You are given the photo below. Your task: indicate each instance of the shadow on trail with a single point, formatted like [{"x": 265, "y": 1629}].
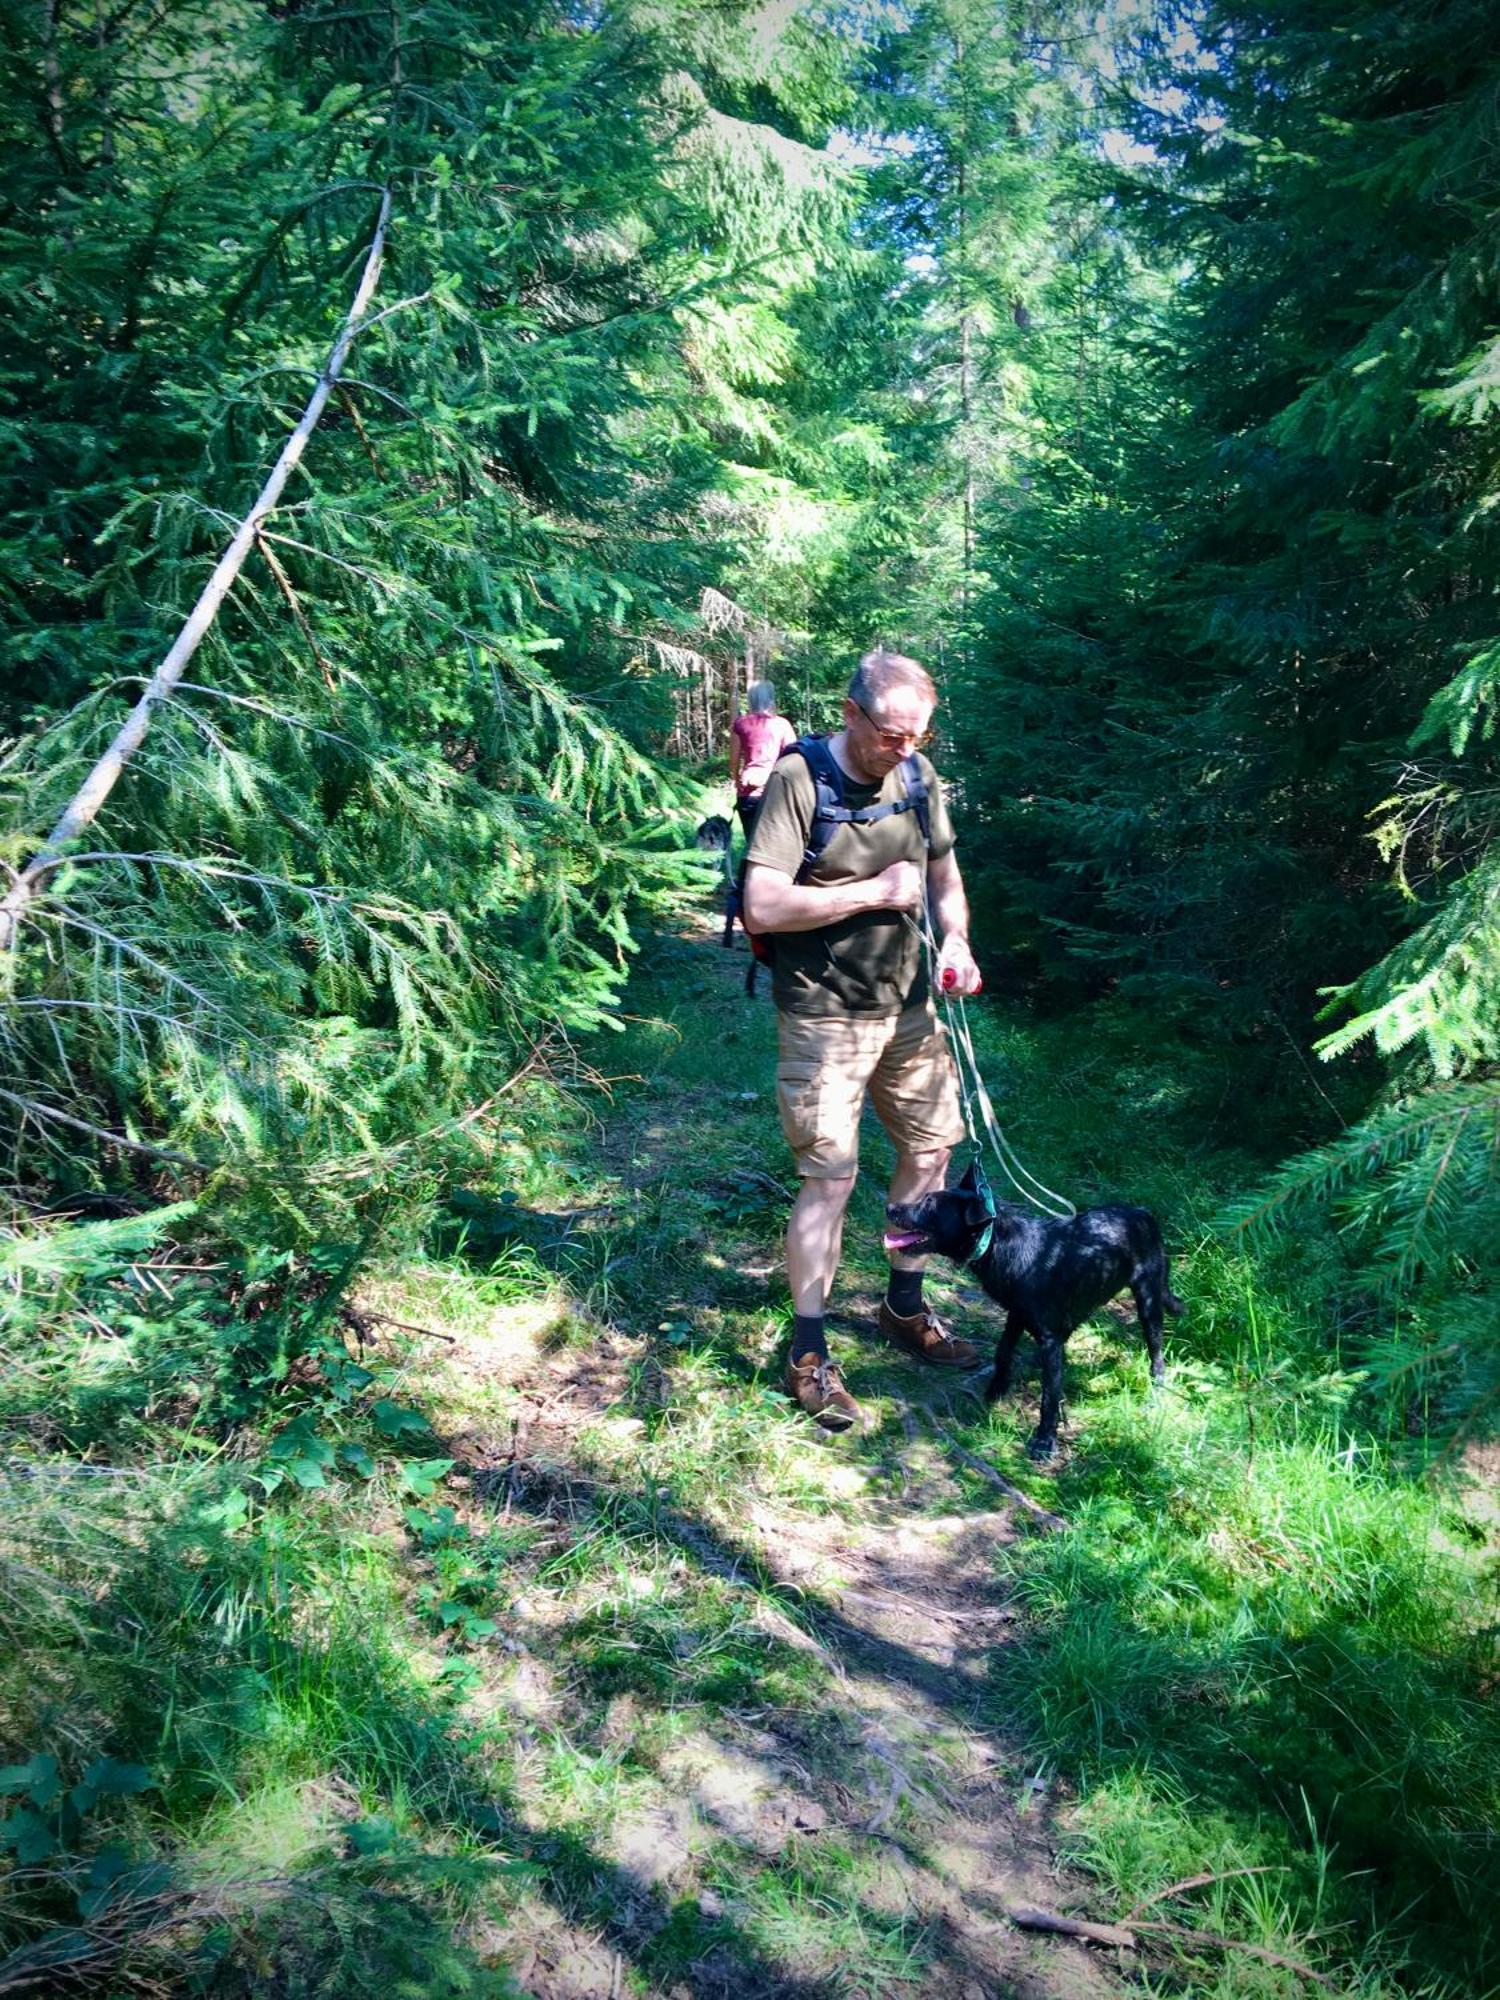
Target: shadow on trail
[
  {"x": 368, "y": 1906},
  {"x": 1358, "y": 1732},
  {"x": 823, "y": 1753},
  {"x": 1350, "y": 1730}
]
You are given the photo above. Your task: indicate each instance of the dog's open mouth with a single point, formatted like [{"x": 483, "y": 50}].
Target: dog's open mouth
[{"x": 905, "y": 1242}]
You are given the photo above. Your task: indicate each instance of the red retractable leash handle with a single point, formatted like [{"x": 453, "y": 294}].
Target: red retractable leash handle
[{"x": 948, "y": 980}]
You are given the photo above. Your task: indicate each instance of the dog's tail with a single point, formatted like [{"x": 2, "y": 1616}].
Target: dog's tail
[{"x": 1173, "y": 1304}]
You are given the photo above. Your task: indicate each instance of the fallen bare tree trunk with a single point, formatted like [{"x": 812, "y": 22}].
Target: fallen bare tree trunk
[{"x": 84, "y": 806}]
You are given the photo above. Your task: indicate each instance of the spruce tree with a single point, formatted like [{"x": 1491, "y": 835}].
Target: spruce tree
[{"x": 389, "y": 832}]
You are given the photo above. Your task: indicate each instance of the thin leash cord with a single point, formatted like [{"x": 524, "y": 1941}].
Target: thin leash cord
[
  {"x": 971, "y": 1089},
  {"x": 1020, "y": 1176}
]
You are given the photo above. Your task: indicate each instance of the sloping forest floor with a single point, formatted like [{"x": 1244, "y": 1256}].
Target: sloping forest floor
[
  {"x": 748, "y": 1661},
  {"x": 564, "y": 1659}
]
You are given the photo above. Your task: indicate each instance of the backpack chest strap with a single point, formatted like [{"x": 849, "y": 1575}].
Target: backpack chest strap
[
  {"x": 830, "y": 812},
  {"x": 863, "y": 815}
]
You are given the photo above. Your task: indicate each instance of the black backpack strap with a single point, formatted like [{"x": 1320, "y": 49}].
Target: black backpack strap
[
  {"x": 829, "y": 810},
  {"x": 917, "y": 795}
]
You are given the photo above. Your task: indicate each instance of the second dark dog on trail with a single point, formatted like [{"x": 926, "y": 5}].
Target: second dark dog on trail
[{"x": 1048, "y": 1274}]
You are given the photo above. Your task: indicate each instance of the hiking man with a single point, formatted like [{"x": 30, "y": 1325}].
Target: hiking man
[{"x": 853, "y": 1009}]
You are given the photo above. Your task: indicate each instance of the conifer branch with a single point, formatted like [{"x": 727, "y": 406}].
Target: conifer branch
[
  {"x": 278, "y": 570},
  {"x": 31, "y": 1108},
  {"x": 86, "y": 803}
]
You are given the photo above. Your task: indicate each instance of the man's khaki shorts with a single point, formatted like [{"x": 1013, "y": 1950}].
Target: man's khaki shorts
[{"x": 827, "y": 1065}]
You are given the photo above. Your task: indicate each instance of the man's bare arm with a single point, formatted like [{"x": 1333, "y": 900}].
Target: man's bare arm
[
  {"x": 946, "y": 896},
  {"x": 774, "y": 902},
  {"x": 950, "y": 913}
]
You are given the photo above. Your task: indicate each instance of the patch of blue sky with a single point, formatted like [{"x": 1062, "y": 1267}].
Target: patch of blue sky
[{"x": 1088, "y": 51}]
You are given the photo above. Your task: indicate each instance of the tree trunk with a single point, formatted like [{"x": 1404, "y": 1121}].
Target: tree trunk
[{"x": 52, "y": 91}]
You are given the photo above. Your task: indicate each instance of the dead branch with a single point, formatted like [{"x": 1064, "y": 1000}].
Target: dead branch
[
  {"x": 355, "y": 1313},
  {"x": 1259, "y": 1951},
  {"x": 1194, "y": 1882},
  {"x": 919, "y": 1608},
  {"x": 720, "y": 613},
  {"x": 1124, "y": 1935},
  {"x": 30, "y": 1108},
  {"x": 899, "y": 1789},
  {"x": 347, "y": 403},
  {"x": 294, "y": 605},
  {"x": 1046, "y": 1920},
  {"x": 86, "y": 803},
  {"x": 1033, "y": 1509}
]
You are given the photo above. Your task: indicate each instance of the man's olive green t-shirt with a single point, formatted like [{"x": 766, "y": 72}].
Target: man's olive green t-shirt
[{"x": 867, "y": 964}]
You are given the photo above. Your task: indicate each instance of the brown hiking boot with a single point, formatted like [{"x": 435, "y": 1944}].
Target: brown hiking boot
[
  {"x": 924, "y": 1335},
  {"x": 816, "y": 1386}
]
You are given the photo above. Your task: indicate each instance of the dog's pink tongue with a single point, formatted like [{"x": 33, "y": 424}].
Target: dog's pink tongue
[{"x": 902, "y": 1239}]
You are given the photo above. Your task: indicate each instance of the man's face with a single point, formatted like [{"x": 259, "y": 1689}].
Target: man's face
[{"x": 885, "y": 731}]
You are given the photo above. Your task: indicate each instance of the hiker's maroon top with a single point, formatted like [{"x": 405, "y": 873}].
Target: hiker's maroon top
[{"x": 762, "y": 739}]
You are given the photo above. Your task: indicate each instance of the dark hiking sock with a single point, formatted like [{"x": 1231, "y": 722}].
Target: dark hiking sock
[
  {"x": 904, "y": 1293},
  {"x": 808, "y": 1336}
]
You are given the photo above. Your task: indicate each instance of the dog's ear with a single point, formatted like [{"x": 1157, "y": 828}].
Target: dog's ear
[{"x": 977, "y": 1211}]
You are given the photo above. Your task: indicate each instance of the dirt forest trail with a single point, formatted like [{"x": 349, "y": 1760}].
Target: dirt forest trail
[{"x": 749, "y": 1659}]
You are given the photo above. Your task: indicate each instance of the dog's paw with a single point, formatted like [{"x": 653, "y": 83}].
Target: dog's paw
[{"x": 1041, "y": 1449}]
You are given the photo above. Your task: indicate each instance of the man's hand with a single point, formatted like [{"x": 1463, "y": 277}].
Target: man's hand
[
  {"x": 956, "y": 970},
  {"x": 898, "y": 887}
]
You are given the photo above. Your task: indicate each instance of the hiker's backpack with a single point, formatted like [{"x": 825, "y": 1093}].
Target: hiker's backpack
[{"x": 829, "y": 814}]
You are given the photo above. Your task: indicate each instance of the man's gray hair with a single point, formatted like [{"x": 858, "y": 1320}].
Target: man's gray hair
[
  {"x": 880, "y": 673},
  {"x": 761, "y": 700}
]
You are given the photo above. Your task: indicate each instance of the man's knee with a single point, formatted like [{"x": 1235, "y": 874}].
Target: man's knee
[
  {"x": 826, "y": 1191},
  {"x": 926, "y": 1167}
]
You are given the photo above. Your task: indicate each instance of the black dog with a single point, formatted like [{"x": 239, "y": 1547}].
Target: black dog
[
  {"x": 716, "y": 836},
  {"x": 1049, "y": 1276}
]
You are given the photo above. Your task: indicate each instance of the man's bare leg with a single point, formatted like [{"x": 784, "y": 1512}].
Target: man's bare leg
[
  {"x": 814, "y": 1240},
  {"x": 904, "y": 1318},
  {"x": 916, "y": 1174}
]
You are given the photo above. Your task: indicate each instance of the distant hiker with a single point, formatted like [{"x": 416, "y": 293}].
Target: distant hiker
[
  {"x": 756, "y": 740},
  {"x": 853, "y": 1009}
]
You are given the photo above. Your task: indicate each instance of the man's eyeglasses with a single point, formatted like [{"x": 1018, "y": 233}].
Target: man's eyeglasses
[{"x": 896, "y": 739}]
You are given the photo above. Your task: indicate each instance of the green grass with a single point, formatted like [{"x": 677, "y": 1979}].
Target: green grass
[
  {"x": 257, "y": 1674},
  {"x": 1252, "y": 1616},
  {"x": 1259, "y": 1643},
  {"x": 394, "y": 1723},
  {"x": 819, "y": 1917},
  {"x": 1261, "y": 1635}
]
